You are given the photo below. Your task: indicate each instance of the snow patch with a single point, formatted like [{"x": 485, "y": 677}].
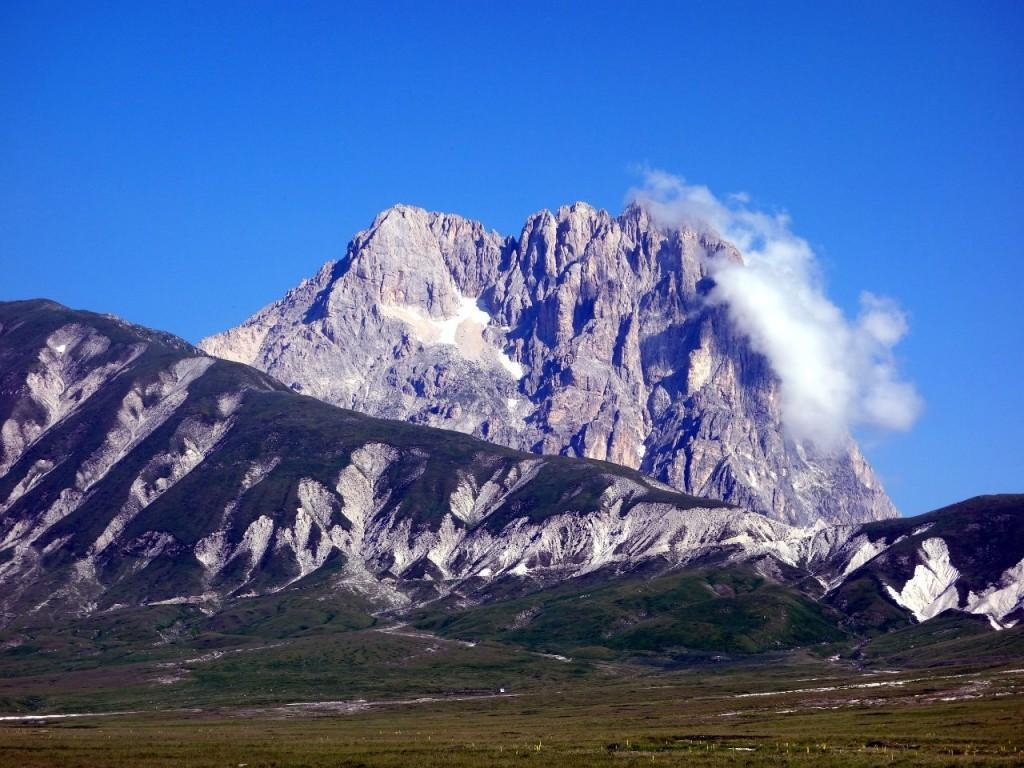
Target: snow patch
[
  {"x": 998, "y": 601},
  {"x": 465, "y": 331},
  {"x": 516, "y": 370},
  {"x": 932, "y": 588}
]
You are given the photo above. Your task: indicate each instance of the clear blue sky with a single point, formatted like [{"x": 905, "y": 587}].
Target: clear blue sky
[{"x": 182, "y": 164}]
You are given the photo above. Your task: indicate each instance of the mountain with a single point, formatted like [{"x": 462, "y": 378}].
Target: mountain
[
  {"x": 586, "y": 336},
  {"x": 967, "y": 556},
  {"x": 138, "y": 472}
]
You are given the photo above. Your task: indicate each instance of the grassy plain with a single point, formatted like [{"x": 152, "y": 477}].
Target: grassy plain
[
  {"x": 409, "y": 698},
  {"x": 297, "y": 680},
  {"x": 684, "y": 718}
]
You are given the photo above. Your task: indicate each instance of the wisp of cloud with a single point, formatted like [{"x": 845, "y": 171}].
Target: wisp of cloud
[{"x": 835, "y": 373}]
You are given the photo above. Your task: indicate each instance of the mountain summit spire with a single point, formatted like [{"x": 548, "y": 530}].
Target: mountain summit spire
[{"x": 589, "y": 335}]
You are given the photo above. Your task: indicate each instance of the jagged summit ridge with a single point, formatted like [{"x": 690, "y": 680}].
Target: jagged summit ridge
[{"x": 586, "y": 335}]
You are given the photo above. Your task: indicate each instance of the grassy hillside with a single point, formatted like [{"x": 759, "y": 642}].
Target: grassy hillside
[{"x": 703, "y": 611}]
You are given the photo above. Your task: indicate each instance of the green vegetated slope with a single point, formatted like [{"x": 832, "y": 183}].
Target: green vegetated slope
[
  {"x": 703, "y": 611},
  {"x": 950, "y": 639},
  {"x": 274, "y": 650}
]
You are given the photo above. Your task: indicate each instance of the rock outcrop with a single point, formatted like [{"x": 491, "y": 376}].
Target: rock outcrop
[{"x": 587, "y": 336}]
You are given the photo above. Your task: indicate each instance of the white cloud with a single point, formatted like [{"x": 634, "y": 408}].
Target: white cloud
[{"x": 835, "y": 373}]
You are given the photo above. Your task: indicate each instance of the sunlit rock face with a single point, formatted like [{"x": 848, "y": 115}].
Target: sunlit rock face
[{"x": 588, "y": 335}]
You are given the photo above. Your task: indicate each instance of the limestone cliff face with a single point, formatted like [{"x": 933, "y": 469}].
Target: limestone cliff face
[{"x": 589, "y": 335}]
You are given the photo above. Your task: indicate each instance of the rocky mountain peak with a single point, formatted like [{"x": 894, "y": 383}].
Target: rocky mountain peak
[
  {"x": 589, "y": 335},
  {"x": 411, "y": 257}
]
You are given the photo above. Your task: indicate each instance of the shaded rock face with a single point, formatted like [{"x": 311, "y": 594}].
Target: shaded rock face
[{"x": 587, "y": 336}]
